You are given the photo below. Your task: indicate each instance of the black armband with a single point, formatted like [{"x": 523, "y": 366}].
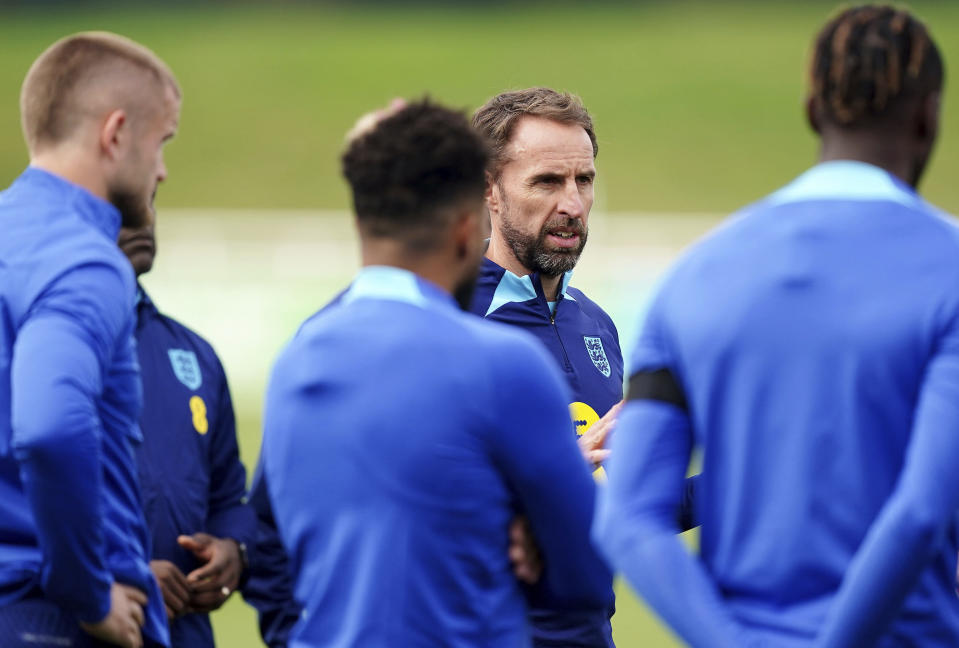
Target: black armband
[{"x": 658, "y": 385}]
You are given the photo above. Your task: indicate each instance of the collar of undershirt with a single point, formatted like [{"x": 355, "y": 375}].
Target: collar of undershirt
[
  {"x": 846, "y": 180},
  {"x": 515, "y": 288},
  {"x": 395, "y": 284}
]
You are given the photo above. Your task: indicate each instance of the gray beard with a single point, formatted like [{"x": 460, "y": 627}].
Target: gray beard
[{"x": 532, "y": 253}]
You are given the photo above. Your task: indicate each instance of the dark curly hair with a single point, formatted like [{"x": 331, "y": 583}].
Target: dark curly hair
[
  {"x": 868, "y": 61},
  {"x": 411, "y": 168}
]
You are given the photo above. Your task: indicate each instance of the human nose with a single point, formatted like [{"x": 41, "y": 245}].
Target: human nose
[
  {"x": 571, "y": 203},
  {"x": 161, "y": 170}
]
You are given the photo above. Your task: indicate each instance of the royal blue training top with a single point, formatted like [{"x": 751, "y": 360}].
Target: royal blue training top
[
  {"x": 189, "y": 462},
  {"x": 810, "y": 347},
  {"x": 401, "y": 436},
  {"x": 71, "y": 521}
]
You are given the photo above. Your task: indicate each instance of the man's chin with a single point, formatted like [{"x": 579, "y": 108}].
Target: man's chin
[
  {"x": 142, "y": 263},
  {"x": 558, "y": 263}
]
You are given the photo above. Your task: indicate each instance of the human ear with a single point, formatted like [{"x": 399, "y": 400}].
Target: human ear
[
  {"x": 927, "y": 119},
  {"x": 812, "y": 115},
  {"x": 113, "y": 133},
  {"x": 492, "y": 195}
]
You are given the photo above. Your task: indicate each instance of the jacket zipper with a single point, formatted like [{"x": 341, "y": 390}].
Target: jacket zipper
[{"x": 552, "y": 320}]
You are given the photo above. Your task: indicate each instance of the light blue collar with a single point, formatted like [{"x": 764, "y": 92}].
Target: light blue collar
[
  {"x": 845, "y": 180},
  {"x": 513, "y": 288},
  {"x": 564, "y": 283},
  {"x": 386, "y": 282}
]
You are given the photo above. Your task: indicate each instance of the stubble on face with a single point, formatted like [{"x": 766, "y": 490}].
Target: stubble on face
[
  {"x": 136, "y": 210},
  {"x": 543, "y": 193},
  {"x": 532, "y": 249},
  {"x": 133, "y": 192}
]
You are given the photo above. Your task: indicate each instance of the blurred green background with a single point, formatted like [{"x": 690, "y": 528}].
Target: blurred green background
[{"x": 698, "y": 109}]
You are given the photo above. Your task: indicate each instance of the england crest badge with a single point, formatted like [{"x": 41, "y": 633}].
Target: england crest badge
[
  {"x": 186, "y": 368},
  {"x": 594, "y": 346}
]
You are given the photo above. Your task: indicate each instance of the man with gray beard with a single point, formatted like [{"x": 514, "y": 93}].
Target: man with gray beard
[{"x": 539, "y": 193}]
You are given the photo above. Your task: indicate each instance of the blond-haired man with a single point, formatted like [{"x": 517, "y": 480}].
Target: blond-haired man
[{"x": 96, "y": 111}]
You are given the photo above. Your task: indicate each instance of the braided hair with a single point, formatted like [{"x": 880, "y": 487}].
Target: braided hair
[{"x": 869, "y": 62}]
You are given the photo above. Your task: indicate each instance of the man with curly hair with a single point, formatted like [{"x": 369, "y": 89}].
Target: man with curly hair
[{"x": 403, "y": 435}]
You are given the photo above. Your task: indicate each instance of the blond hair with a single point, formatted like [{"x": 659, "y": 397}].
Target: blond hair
[{"x": 77, "y": 74}]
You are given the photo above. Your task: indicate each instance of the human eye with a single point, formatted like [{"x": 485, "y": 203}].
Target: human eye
[{"x": 547, "y": 180}]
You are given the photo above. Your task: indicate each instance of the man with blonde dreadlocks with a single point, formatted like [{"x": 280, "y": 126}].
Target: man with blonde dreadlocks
[{"x": 810, "y": 347}]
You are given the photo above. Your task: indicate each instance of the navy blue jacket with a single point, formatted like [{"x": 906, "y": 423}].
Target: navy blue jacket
[
  {"x": 71, "y": 521},
  {"x": 269, "y": 584},
  {"x": 189, "y": 461},
  {"x": 583, "y": 341},
  {"x": 579, "y": 335}
]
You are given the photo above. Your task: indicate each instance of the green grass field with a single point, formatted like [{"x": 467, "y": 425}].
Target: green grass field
[{"x": 697, "y": 106}]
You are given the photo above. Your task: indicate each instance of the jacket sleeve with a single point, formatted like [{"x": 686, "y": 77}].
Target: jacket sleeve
[
  {"x": 269, "y": 585},
  {"x": 915, "y": 517},
  {"x": 636, "y": 519},
  {"x": 229, "y": 514},
  {"x": 534, "y": 445},
  {"x": 59, "y": 360}
]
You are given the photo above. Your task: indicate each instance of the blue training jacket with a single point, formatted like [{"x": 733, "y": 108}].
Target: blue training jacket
[
  {"x": 810, "y": 346},
  {"x": 584, "y": 343},
  {"x": 401, "y": 436},
  {"x": 189, "y": 461},
  {"x": 71, "y": 522}
]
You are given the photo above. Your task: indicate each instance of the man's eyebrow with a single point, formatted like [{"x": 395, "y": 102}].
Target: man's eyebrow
[{"x": 546, "y": 176}]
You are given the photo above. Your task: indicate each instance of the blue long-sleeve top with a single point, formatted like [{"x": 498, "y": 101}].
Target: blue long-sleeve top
[
  {"x": 70, "y": 517},
  {"x": 584, "y": 344},
  {"x": 810, "y": 346},
  {"x": 268, "y": 587},
  {"x": 401, "y": 436},
  {"x": 189, "y": 463}
]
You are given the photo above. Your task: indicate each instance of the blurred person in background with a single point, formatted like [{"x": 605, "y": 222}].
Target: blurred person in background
[
  {"x": 96, "y": 111},
  {"x": 193, "y": 483},
  {"x": 539, "y": 193},
  {"x": 810, "y": 347},
  {"x": 268, "y": 586},
  {"x": 401, "y": 435}
]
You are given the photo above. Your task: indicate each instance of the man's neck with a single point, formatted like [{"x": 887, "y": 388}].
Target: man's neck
[
  {"x": 384, "y": 252},
  {"x": 70, "y": 164},
  {"x": 502, "y": 255},
  {"x": 884, "y": 153}
]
